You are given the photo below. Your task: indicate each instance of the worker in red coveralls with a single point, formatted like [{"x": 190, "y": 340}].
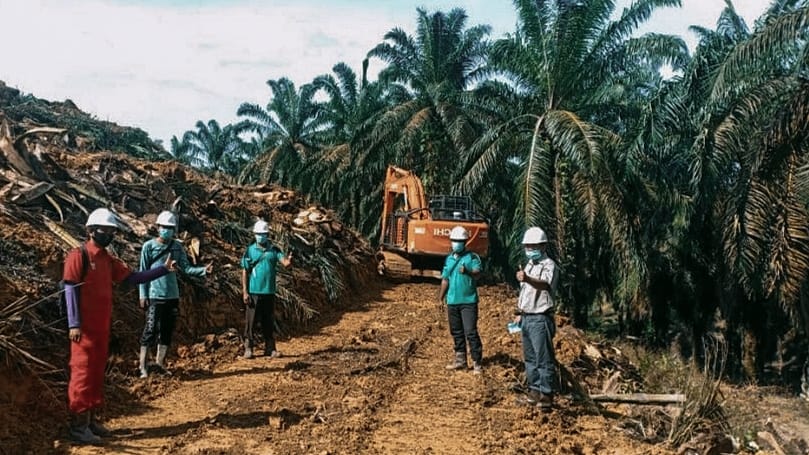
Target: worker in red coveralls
[{"x": 88, "y": 295}]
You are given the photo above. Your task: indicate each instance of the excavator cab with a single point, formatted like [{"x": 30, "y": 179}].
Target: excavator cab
[
  {"x": 455, "y": 208},
  {"x": 415, "y": 230}
]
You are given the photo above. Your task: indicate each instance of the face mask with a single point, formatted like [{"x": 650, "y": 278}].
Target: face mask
[
  {"x": 165, "y": 233},
  {"x": 261, "y": 239},
  {"x": 533, "y": 255},
  {"x": 102, "y": 239},
  {"x": 457, "y": 247}
]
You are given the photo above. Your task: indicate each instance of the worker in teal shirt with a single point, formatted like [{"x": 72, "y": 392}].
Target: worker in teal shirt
[
  {"x": 458, "y": 287},
  {"x": 259, "y": 276},
  {"x": 161, "y": 297}
]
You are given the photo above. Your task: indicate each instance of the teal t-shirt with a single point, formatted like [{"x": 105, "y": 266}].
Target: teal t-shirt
[
  {"x": 153, "y": 254},
  {"x": 265, "y": 268},
  {"x": 462, "y": 288}
]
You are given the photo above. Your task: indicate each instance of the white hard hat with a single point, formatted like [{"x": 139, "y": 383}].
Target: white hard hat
[
  {"x": 459, "y": 233},
  {"x": 261, "y": 227},
  {"x": 167, "y": 218},
  {"x": 102, "y": 217},
  {"x": 534, "y": 236}
]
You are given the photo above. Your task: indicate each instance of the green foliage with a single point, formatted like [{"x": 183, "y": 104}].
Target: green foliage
[
  {"x": 680, "y": 203},
  {"x": 213, "y": 148}
]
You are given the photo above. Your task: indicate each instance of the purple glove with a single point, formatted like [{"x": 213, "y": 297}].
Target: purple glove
[
  {"x": 72, "y": 301},
  {"x": 146, "y": 276}
]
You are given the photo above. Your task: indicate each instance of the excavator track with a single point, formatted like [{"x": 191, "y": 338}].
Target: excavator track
[{"x": 393, "y": 266}]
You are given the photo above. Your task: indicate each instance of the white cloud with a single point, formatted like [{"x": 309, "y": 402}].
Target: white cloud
[
  {"x": 162, "y": 68},
  {"x": 698, "y": 12}
]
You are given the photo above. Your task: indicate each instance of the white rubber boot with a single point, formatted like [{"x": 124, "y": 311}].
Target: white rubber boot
[
  {"x": 162, "y": 350},
  {"x": 144, "y": 352}
]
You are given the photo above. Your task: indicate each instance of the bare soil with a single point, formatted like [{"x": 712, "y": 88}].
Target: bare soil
[{"x": 372, "y": 380}]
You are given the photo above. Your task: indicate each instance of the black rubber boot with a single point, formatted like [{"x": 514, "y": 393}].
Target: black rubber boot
[
  {"x": 96, "y": 427},
  {"x": 80, "y": 432}
]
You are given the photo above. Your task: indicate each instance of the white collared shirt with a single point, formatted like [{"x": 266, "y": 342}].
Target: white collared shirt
[{"x": 531, "y": 299}]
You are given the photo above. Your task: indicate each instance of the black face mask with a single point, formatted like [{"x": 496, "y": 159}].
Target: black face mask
[{"x": 102, "y": 239}]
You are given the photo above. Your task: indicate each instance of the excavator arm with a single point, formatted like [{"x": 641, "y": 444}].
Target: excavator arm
[{"x": 400, "y": 182}]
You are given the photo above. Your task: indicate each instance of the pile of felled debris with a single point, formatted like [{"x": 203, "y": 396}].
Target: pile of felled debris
[{"x": 49, "y": 182}]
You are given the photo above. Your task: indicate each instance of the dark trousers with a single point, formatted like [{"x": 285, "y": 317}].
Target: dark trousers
[
  {"x": 537, "y": 345},
  {"x": 261, "y": 306},
  {"x": 161, "y": 318},
  {"x": 463, "y": 325}
]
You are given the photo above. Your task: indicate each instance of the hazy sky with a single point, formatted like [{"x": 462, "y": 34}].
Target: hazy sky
[{"x": 161, "y": 65}]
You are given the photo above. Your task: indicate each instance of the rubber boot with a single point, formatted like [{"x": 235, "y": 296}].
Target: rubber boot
[
  {"x": 459, "y": 362},
  {"x": 80, "y": 432},
  {"x": 96, "y": 427},
  {"x": 162, "y": 349},
  {"x": 248, "y": 349},
  {"x": 477, "y": 368},
  {"x": 144, "y": 352},
  {"x": 270, "y": 350}
]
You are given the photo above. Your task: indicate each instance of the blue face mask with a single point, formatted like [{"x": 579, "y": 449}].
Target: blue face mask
[
  {"x": 533, "y": 255},
  {"x": 165, "y": 233},
  {"x": 261, "y": 239},
  {"x": 457, "y": 247}
]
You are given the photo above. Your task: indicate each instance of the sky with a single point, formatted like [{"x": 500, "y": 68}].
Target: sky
[{"x": 161, "y": 65}]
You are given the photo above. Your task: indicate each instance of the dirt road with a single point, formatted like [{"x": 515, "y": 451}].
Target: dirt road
[{"x": 371, "y": 381}]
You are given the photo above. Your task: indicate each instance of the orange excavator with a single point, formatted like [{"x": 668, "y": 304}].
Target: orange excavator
[{"x": 415, "y": 230}]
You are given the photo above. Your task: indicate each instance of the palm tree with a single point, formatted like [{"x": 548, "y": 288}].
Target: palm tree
[
  {"x": 747, "y": 133},
  {"x": 575, "y": 84},
  {"x": 288, "y": 129},
  {"x": 181, "y": 152},
  {"x": 428, "y": 126},
  {"x": 351, "y": 104},
  {"x": 217, "y": 149},
  {"x": 352, "y": 108}
]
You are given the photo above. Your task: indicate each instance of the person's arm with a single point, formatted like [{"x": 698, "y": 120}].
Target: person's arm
[
  {"x": 146, "y": 276},
  {"x": 72, "y": 301},
  {"x": 537, "y": 283},
  {"x": 286, "y": 261},
  {"x": 542, "y": 282},
  {"x": 143, "y": 288},
  {"x": 72, "y": 277},
  {"x": 475, "y": 267},
  {"x": 184, "y": 264},
  {"x": 245, "y": 263},
  {"x": 245, "y": 293},
  {"x": 443, "y": 292}
]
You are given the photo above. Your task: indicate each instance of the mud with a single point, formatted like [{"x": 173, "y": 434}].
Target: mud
[{"x": 346, "y": 388}]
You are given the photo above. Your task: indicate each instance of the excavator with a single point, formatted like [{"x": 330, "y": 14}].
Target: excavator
[{"x": 415, "y": 230}]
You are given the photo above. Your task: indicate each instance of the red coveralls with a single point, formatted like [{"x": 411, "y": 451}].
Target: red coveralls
[{"x": 88, "y": 357}]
